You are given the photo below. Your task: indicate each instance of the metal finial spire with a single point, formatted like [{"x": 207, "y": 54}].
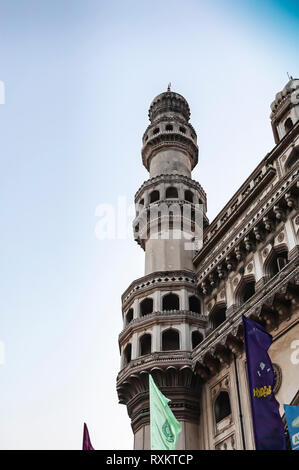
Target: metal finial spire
[{"x": 168, "y": 88}]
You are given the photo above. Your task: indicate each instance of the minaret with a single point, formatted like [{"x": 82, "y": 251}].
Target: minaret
[{"x": 161, "y": 311}]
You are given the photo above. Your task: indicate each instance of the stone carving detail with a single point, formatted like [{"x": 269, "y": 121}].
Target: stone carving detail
[{"x": 226, "y": 444}]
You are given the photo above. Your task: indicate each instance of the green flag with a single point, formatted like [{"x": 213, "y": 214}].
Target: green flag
[{"x": 164, "y": 425}]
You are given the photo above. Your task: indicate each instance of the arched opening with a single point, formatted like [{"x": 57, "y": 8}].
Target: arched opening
[
  {"x": 154, "y": 196},
  {"x": 146, "y": 306},
  {"x": 217, "y": 316},
  {"x": 171, "y": 302},
  {"x": 246, "y": 290},
  {"x": 129, "y": 316},
  {"x": 127, "y": 354},
  {"x": 170, "y": 340},
  {"x": 145, "y": 344},
  {"x": 188, "y": 195},
  {"x": 171, "y": 193},
  {"x": 194, "y": 304},
  {"x": 169, "y": 127},
  {"x": 288, "y": 125},
  {"x": 222, "y": 407},
  {"x": 196, "y": 338},
  {"x": 276, "y": 263},
  {"x": 293, "y": 158},
  {"x": 141, "y": 202}
]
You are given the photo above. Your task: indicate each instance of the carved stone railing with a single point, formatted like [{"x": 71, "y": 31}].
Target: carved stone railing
[
  {"x": 159, "y": 359},
  {"x": 163, "y": 315}
]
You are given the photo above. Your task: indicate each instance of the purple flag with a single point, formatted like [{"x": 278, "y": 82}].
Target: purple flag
[
  {"x": 86, "y": 439},
  {"x": 267, "y": 424}
]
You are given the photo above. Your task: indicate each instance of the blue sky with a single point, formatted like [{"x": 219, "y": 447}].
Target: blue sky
[{"x": 79, "y": 78}]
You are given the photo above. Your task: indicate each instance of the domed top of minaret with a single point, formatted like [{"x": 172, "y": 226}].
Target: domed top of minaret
[
  {"x": 285, "y": 110},
  {"x": 169, "y": 102},
  {"x": 281, "y": 97}
]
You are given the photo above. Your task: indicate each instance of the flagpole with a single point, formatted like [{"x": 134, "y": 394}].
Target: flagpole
[{"x": 239, "y": 403}]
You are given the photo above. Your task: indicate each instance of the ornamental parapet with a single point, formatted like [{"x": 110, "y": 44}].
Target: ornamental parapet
[
  {"x": 171, "y": 178},
  {"x": 154, "y": 318},
  {"x": 161, "y": 359},
  {"x": 158, "y": 279}
]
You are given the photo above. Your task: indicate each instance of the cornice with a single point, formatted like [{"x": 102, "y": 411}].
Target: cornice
[
  {"x": 169, "y": 178},
  {"x": 158, "y": 279},
  {"x": 234, "y": 203}
]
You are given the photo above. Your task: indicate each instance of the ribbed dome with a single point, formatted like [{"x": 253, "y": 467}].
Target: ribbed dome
[{"x": 169, "y": 102}]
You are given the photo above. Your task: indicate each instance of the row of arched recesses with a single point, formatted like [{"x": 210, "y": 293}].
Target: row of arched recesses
[
  {"x": 169, "y": 127},
  {"x": 246, "y": 289},
  {"x": 171, "y": 193},
  {"x": 170, "y": 301},
  {"x": 170, "y": 342}
]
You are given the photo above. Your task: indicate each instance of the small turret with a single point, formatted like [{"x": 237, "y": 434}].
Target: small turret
[{"x": 285, "y": 110}]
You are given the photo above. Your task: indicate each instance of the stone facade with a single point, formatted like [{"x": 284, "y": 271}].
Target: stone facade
[{"x": 182, "y": 319}]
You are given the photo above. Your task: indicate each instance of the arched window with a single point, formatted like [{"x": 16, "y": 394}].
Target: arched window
[
  {"x": 129, "y": 316},
  {"x": 194, "y": 304},
  {"x": 288, "y": 125},
  {"x": 154, "y": 196},
  {"x": 217, "y": 316},
  {"x": 188, "y": 195},
  {"x": 146, "y": 306},
  {"x": 171, "y": 302},
  {"x": 293, "y": 158},
  {"x": 196, "y": 338},
  {"x": 170, "y": 340},
  {"x": 276, "y": 263},
  {"x": 145, "y": 344},
  {"x": 141, "y": 202},
  {"x": 222, "y": 407},
  {"x": 247, "y": 290},
  {"x": 171, "y": 193},
  {"x": 127, "y": 354}
]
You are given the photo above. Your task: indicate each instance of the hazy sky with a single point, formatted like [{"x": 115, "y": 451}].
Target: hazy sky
[{"x": 79, "y": 77}]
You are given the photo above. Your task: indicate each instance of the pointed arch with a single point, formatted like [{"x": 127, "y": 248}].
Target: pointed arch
[
  {"x": 146, "y": 306},
  {"x": 217, "y": 315},
  {"x": 222, "y": 408},
  {"x": 171, "y": 301},
  {"x": 127, "y": 354},
  {"x": 196, "y": 338},
  {"x": 145, "y": 344},
  {"x": 170, "y": 340}
]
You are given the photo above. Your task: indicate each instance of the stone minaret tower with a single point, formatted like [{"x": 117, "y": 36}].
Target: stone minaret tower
[{"x": 161, "y": 311}]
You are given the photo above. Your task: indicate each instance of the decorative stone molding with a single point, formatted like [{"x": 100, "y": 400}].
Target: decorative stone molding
[{"x": 158, "y": 280}]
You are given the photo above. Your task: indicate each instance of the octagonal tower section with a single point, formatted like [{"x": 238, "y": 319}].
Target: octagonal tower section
[{"x": 162, "y": 320}]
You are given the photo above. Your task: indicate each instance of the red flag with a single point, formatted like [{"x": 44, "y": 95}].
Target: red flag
[{"x": 86, "y": 439}]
